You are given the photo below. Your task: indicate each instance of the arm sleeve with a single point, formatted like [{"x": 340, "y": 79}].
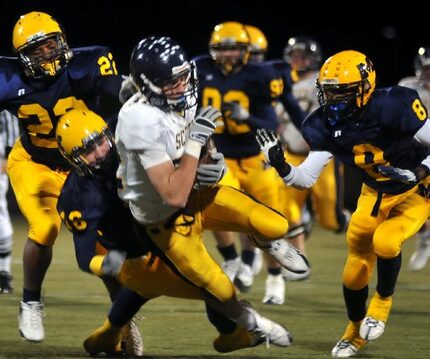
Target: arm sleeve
[
  {"x": 307, "y": 173},
  {"x": 85, "y": 249},
  {"x": 139, "y": 130},
  {"x": 423, "y": 134}
]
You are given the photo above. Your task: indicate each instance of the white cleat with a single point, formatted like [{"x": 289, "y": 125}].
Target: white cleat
[
  {"x": 30, "y": 319},
  {"x": 343, "y": 349},
  {"x": 421, "y": 255},
  {"x": 268, "y": 330},
  {"x": 287, "y": 255},
  {"x": 131, "y": 340},
  {"x": 244, "y": 278},
  {"x": 295, "y": 277},
  {"x": 257, "y": 264},
  {"x": 231, "y": 267},
  {"x": 371, "y": 328},
  {"x": 275, "y": 290}
]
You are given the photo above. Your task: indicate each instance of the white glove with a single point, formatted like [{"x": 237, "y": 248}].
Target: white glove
[
  {"x": 204, "y": 124},
  {"x": 128, "y": 89},
  {"x": 272, "y": 150},
  {"x": 113, "y": 261},
  {"x": 210, "y": 174}
]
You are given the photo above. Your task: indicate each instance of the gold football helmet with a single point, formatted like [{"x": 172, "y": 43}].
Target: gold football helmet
[
  {"x": 259, "y": 44},
  {"x": 346, "y": 82},
  {"x": 229, "y": 46},
  {"x": 78, "y": 131},
  {"x": 40, "y": 44}
]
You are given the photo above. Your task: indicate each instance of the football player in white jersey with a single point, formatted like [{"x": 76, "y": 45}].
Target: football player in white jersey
[
  {"x": 160, "y": 140},
  {"x": 8, "y": 134},
  {"x": 304, "y": 56},
  {"x": 421, "y": 83}
]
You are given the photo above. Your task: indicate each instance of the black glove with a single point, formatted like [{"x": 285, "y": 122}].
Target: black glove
[
  {"x": 272, "y": 150},
  {"x": 234, "y": 111},
  {"x": 402, "y": 175}
]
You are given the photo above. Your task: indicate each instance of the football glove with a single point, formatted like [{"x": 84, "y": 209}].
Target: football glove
[
  {"x": 402, "y": 175},
  {"x": 210, "y": 174},
  {"x": 204, "y": 124},
  {"x": 234, "y": 111},
  {"x": 272, "y": 150},
  {"x": 128, "y": 89},
  {"x": 113, "y": 261}
]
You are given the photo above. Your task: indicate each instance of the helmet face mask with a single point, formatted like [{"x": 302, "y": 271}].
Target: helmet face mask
[
  {"x": 160, "y": 68},
  {"x": 422, "y": 65},
  {"x": 345, "y": 84},
  {"x": 258, "y": 44},
  {"x": 229, "y": 46},
  {"x": 87, "y": 143},
  {"x": 303, "y": 54},
  {"x": 41, "y": 46}
]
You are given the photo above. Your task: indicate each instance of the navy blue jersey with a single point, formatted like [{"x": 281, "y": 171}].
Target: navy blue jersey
[
  {"x": 90, "y": 81},
  {"x": 92, "y": 211},
  {"x": 253, "y": 87},
  {"x": 381, "y": 134},
  {"x": 287, "y": 98}
]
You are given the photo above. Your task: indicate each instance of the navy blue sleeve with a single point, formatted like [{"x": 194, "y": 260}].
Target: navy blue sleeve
[
  {"x": 264, "y": 117},
  {"x": 403, "y": 110}
]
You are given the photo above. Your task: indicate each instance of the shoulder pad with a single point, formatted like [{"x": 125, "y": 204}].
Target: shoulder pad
[
  {"x": 11, "y": 80},
  {"x": 85, "y": 61}
]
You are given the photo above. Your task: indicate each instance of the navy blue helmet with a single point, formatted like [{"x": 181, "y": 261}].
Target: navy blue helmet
[{"x": 160, "y": 68}]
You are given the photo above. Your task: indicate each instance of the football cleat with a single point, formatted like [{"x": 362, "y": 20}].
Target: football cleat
[
  {"x": 350, "y": 342},
  {"x": 30, "y": 319},
  {"x": 343, "y": 349},
  {"x": 267, "y": 330},
  {"x": 106, "y": 339},
  {"x": 421, "y": 255},
  {"x": 371, "y": 328},
  {"x": 275, "y": 290},
  {"x": 287, "y": 255},
  {"x": 244, "y": 278},
  {"x": 295, "y": 277},
  {"x": 231, "y": 267},
  {"x": 131, "y": 340},
  {"x": 257, "y": 264},
  {"x": 239, "y": 339},
  {"x": 5, "y": 283}
]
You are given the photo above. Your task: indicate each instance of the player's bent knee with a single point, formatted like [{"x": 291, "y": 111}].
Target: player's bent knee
[
  {"x": 267, "y": 223},
  {"x": 386, "y": 249},
  {"x": 356, "y": 273},
  {"x": 44, "y": 234}
]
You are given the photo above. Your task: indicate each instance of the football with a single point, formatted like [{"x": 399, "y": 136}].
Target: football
[{"x": 207, "y": 151}]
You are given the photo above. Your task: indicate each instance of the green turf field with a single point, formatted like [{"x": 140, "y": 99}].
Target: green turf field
[{"x": 76, "y": 303}]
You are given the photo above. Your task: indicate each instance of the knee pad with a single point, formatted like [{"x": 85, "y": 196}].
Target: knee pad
[
  {"x": 267, "y": 223},
  {"x": 357, "y": 271},
  {"x": 44, "y": 233}
]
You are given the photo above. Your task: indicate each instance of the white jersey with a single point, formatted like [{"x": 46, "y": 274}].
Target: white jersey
[
  {"x": 417, "y": 84},
  {"x": 306, "y": 94},
  {"x": 8, "y": 134},
  {"x": 146, "y": 136}
]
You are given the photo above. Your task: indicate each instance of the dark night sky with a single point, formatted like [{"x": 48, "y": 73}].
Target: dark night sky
[{"x": 121, "y": 24}]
